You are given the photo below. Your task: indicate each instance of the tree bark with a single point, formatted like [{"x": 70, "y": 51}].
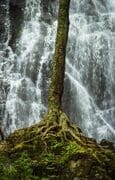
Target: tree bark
[{"x": 58, "y": 66}]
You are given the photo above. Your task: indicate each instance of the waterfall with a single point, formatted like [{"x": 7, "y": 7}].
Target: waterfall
[
  {"x": 27, "y": 75},
  {"x": 26, "y": 57},
  {"x": 90, "y": 67}
]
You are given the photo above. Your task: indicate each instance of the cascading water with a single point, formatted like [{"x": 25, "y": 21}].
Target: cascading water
[
  {"x": 4, "y": 61},
  {"x": 89, "y": 95},
  {"x": 90, "y": 67},
  {"x": 25, "y": 103}
]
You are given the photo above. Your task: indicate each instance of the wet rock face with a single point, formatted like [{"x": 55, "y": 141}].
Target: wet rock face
[
  {"x": 49, "y": 10},
  {"x": 107, "y": 144},
  {"x": 3, "y": 10},
  {"x": 16, "y": 8},
  {"x": 4, "y": 88},
  {"x": 4, "y": 85},
  {"x": 18, "y": 3}
]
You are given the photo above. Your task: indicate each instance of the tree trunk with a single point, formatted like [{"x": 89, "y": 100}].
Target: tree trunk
[{"x": 57, "y": 78}]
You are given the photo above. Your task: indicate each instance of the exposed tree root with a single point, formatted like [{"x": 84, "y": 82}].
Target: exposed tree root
[
  {"x": 61, "y": 128},
  {"x": 59, "y": 143},
  {"x": 55, "y": 125},
  {"x": 50, "y": 129}
]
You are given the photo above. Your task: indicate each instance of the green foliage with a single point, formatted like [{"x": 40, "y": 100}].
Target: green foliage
[
  {"x": 57, "y": 147},
  {"x": 48, "y": 158},
  {"x": 19, "y": 169},
  {"x": 70, "y": 150},
  {"x": 72, "y": 147},
  {"x": 2, "y": 168},
  {"x": 23, "y": 167},
  {"x": 10, "y": 173}
]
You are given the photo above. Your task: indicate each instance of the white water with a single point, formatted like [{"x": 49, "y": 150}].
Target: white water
[
  {"x": 24, "y": 104},
  {"x": 90, "y": 67},
  {"x": 89, "y": 96}
]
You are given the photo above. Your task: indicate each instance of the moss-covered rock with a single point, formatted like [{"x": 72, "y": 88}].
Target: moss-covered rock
[{"x": 52, "y": 153}]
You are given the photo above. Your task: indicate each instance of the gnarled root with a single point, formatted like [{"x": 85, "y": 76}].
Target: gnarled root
[
  {"x": 58, "y": 125},
  {"x": 61, "y": 128}
]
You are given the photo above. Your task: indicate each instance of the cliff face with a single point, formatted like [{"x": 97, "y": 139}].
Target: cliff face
[
  {"x": 16, "y": 13},
  {"x": 12, "y": 9},
  {"x": 19, "y": 4},
  {"x": 2, "y": 20}
]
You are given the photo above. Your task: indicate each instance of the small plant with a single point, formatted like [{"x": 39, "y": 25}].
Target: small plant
[
  {"x": 23, "y": 167},
  {"x": 49, "y": 157},
  {"x": 10, "y": 173},
  {"x": 2, "y": 166},
  {"x": 19, "y": 169}
]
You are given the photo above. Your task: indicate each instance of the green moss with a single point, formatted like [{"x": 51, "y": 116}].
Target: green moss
[
  {"x": 54, "y": 158},
  {"x": 70, "y": 150},
  {"x": 20, "y": 168}
]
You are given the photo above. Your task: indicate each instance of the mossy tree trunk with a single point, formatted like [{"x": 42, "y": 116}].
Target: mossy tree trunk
[
  {"x": 57, "y": 78},
  {"x": 56, "y": 119}
]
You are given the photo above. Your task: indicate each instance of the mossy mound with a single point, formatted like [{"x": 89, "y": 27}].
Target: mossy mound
[{"x": 56, "y": 151}]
